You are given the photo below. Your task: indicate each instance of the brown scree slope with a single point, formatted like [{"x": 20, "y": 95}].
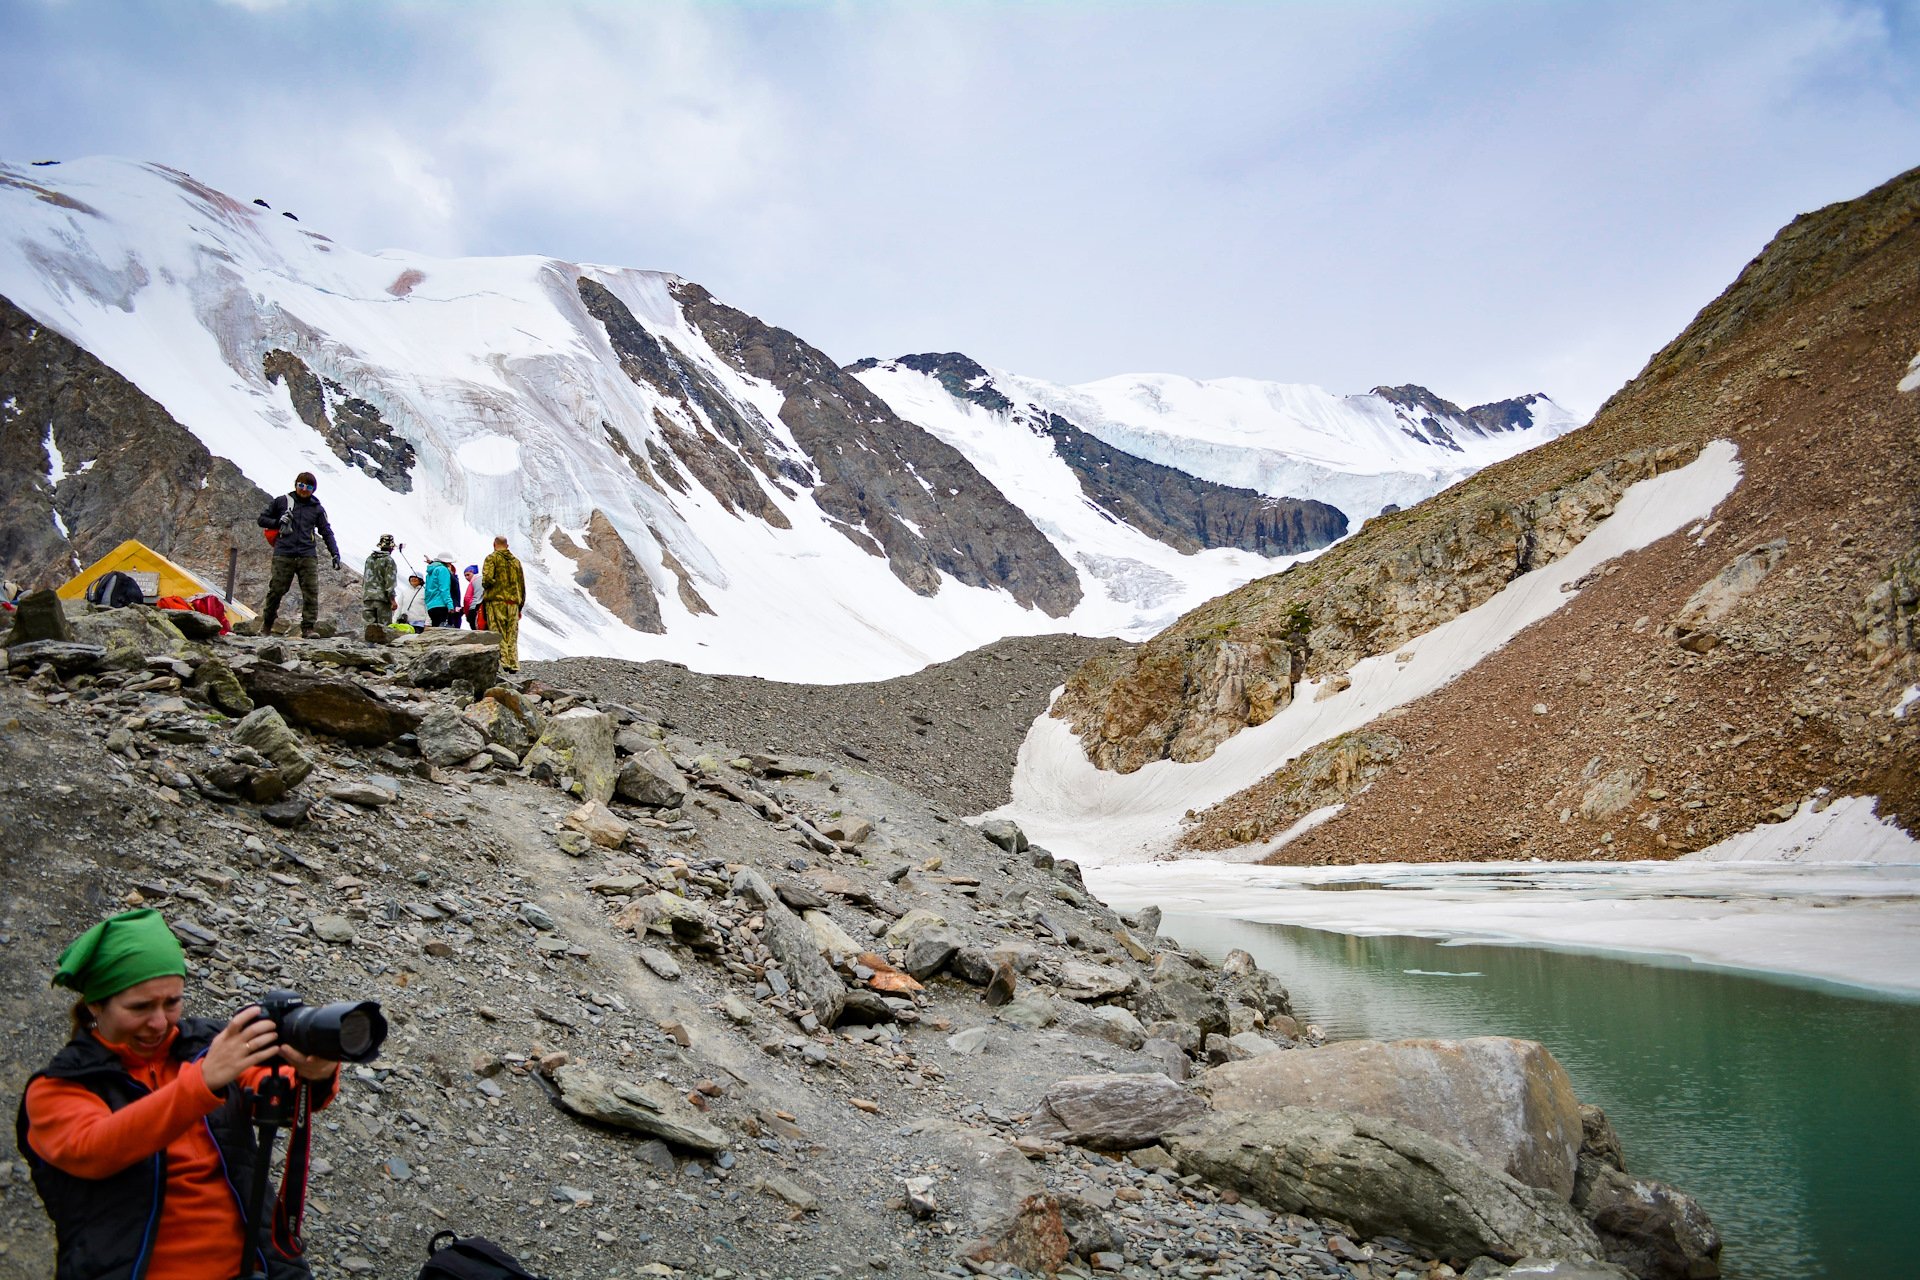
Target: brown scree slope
[{"x": 1647, "y": 746}]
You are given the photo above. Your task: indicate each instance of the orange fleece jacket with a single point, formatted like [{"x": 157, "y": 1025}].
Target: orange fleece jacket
[{"x": 72, "y": 1129}]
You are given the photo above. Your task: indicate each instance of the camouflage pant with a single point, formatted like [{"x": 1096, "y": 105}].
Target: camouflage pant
[
  {"x": 377, "y": 611},
  {"x": 285, "y": 569},
  {"x": 504, "y": 617}
]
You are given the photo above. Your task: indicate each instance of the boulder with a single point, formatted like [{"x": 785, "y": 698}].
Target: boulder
[
  {"x": 1647, "y": 1227},
  {"x": 1179, "y": 999},
  {"x": 39, "y": 616},
  {"x": 1383, "y": 1178},
  {"x": 216, "y": 682},
  {"x": 197, "y": 627},
  {"x": 448, "y": 738},
  {"x": 794, "y": 945},
  {"x": 845, "y": 828},
  {"x": 833, "y": 940},
  {"x": 67, "y": 658},
  {"x": 1114, "y": 1112},
  {"x": 577, "y": 746},
  {"x": 327, "y": 704},
  {"x": 445, "y": 638},
  {"x": 440, "y": 665},
  {"x": 649, "y": 777},
  {"x": 1006, "y": 833},
  {"x": 930, "y": 950},
  {"x": 903, "y": 931},
  {"x": 1082, "y": 981},
  {"x": 130, "y": 635},
  {"x": 508, "y": 720},
  {"x": 597, "y": 822},
  {"x": 1504, "y": 1100},
  {"x": 265, "y": 731},
  {"x": 653, "y": 1108}
]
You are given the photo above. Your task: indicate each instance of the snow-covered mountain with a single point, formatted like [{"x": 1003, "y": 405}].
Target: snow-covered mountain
[{"x": 682, "y": 480}]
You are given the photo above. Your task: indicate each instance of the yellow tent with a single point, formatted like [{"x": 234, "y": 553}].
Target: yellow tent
[{"x": 157, "y": 576}]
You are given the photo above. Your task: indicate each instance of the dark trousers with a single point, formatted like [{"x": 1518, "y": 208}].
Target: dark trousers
[
  {"x": 285, "y": 570},
  {"x": 444, "y": 617}
]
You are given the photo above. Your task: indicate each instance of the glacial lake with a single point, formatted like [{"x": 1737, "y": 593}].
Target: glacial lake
[{"x": 1791, "y": 1110}]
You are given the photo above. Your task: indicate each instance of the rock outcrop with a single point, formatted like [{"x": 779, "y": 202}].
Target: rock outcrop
[{"x": 1386, "y": 1178}]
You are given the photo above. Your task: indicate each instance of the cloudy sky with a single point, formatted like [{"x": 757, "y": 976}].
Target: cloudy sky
[{"x": 1487, "y": 198}]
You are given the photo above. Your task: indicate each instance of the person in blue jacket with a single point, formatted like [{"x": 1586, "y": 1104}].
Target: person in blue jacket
[{"x": 443, "y": 592}]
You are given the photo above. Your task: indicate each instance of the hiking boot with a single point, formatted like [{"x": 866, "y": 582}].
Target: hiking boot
[{"x": 306, "y": 633}]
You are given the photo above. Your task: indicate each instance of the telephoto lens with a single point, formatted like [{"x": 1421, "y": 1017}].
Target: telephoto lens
[{"x": 347, "y": 1031}]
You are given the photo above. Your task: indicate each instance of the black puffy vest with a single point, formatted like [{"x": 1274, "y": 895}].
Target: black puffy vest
[{"x": 104, "y": 1228}]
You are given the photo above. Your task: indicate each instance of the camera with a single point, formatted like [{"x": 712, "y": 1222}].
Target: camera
[{"x": 347, "y": 1031}]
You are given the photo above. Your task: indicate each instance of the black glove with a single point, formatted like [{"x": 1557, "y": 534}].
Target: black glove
[{"x": 336, "y": 562}]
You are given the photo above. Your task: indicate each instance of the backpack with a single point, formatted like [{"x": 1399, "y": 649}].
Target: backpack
[
  {"x": 213, "y": 607},
  {"x": 470, "y": 1258},
  {"x": 115, "y": 590}
]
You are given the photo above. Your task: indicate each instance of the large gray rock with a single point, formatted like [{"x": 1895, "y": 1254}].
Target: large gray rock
[
  {"x": 216, "y": 682},
  {"x": 652, "y": 1108},
  {"x": 327, "y": 704},
  {"x": 448, "y": 738},
  {"x": 444, "y": 638},
  {"x": 438, "y": 666},
  {"x": 130, "y": 635},
  {"x": 797, "y": 948},
  {"x": 1647, "y": 1227},
  {"x": 64, "y": 656},
  {"x": 1382, "y": 1177},
  {"x": 1006, "y": 833},
  {"x": 265, "y": 731},
  {"x": 1180, "y": 999},
  {"x": 508, "y": 720},
  {"x": 649, "y": 777},
  {"x": 39, "y": 616},
  {"x": 1115, "y": 1112},
  {"x": 577, "y": 744},
  {"x": 1507, "y": 1101}
]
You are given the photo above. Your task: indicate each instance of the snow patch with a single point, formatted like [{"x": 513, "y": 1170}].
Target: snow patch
[
  {"x": 1847, "y": 830},
  {"x": 1912, "y": 380},
  {"x": 1907, "y": 699},
  {"x": 56, "y": 465}
]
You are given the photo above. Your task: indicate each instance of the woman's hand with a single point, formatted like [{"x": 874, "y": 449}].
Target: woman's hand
[
  {"x": 317, "y": 1070},
  {"x": 246, "y": 1041}
]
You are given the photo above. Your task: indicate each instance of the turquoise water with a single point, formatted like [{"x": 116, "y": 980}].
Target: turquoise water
[{"x": 1792, "y": 1112}]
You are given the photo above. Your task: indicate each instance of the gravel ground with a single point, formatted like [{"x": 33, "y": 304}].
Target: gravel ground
[{"x": 950, "y": 732}]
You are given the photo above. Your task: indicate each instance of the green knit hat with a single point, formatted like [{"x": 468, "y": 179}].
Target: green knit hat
[{"x": 121, "y": 951}]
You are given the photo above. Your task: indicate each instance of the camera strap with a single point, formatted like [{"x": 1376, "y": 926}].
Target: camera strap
[{"x": 290, "y": 1209}]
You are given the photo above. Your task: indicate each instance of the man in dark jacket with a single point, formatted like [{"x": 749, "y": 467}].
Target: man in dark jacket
[{"x": 292, "y": 521}]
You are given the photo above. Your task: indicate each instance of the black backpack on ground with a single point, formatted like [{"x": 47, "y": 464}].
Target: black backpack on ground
[
  {"x": 115, "y": 590},
  {"x": 470, "y": 1258}
]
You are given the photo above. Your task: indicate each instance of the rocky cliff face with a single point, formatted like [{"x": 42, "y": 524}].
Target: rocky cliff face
[
  {"x": 894, "y": 489},
  {"x": 125, "y": 469},
  {"x": 1181, "y": 510},
  {"x": 1708, "y": 683},
  {"x": 1430, "y": 415}
]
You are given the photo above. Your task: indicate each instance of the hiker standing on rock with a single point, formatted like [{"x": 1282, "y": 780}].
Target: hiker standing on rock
[
  {"x": 377, "y": 580},
  {"x": 137, "y": 1132},
  {"x": 503, "y": 593},
  {"x": 443, "y": 592},
  {"x": 291, "y": 521}
]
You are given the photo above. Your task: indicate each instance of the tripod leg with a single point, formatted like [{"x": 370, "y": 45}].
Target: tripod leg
[{"x": 253, "y": 1236}]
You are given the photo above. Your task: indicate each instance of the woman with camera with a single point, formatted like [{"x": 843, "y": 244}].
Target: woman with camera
[{"x": 138, "y": 1131}]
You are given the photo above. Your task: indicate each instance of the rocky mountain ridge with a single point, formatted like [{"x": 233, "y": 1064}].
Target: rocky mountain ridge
[
  {"x": 1713, "y": 681},
  {"x": 669, "y": 1007}
]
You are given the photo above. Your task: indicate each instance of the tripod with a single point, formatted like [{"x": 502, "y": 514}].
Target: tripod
[{"x": 276, "y": 1104}]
